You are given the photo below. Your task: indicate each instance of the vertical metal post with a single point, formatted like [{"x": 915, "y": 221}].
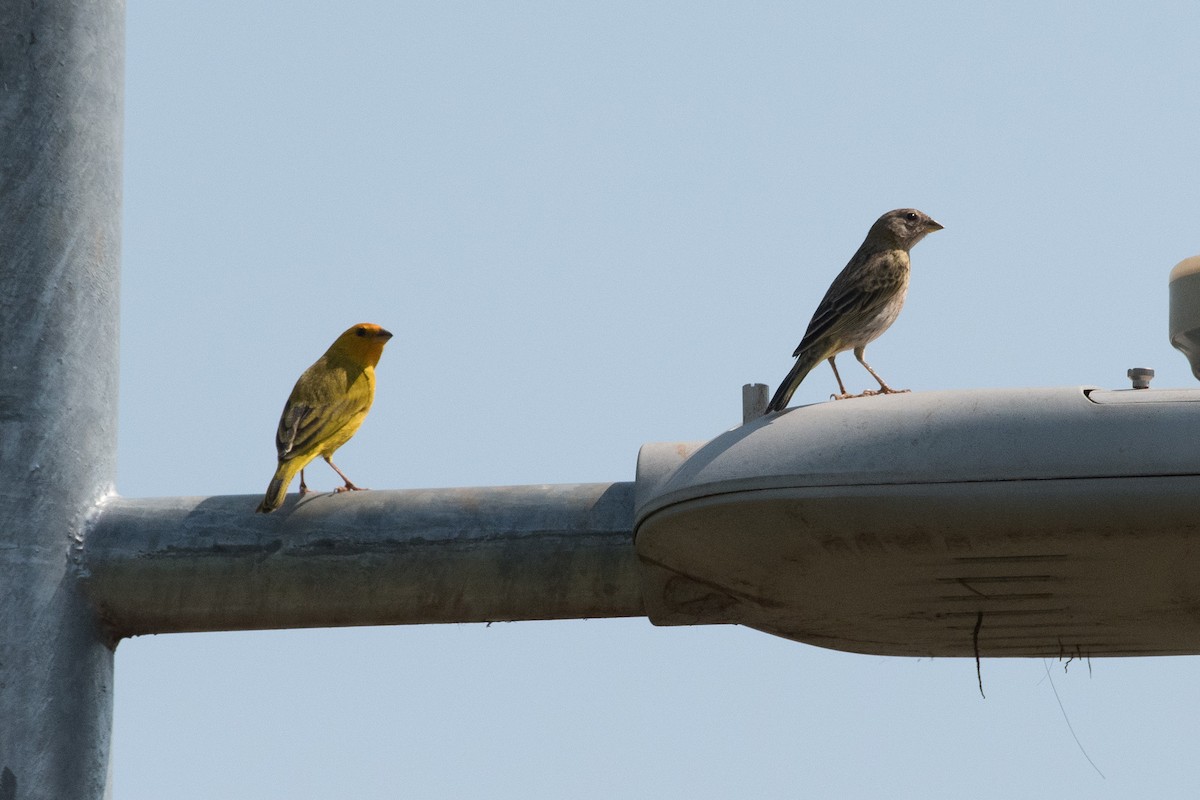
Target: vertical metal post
[
  {"x": 61, "y": 93},
  {"x": 754, "y": 401}
]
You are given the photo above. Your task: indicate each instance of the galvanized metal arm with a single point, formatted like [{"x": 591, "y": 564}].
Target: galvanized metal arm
[{"x": 370, "y": 558}]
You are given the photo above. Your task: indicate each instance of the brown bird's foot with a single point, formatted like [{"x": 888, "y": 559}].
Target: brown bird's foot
[
  {"x": 883, "y": 390},
  {"x": 350, "y": 487},
  {"x": 864, "y": 393}
]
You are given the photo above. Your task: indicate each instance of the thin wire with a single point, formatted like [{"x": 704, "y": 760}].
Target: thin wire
[{"x": 1045, "y": 665}]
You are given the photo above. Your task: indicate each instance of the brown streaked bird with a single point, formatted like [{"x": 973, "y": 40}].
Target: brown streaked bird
[
  {"x": 862, "y": 302},
  {"x": 326, "y": 407}
]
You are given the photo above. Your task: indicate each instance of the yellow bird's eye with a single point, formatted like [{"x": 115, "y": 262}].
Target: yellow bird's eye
[{"x": 361, "y": 332}]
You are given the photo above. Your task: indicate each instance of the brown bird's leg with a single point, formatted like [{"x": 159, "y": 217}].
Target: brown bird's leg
[
  {"x": 304, "y": 486},
  {"x": 842, "y": 386},
  {"x": 349, "y": 487},
  {"x": 883, "y": 387}
]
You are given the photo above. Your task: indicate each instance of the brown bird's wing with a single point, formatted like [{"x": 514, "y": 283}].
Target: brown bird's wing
[{"x": 858, "y": 293}]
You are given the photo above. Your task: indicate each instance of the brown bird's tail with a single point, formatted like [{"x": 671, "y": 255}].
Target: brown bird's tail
[
  {"x": 277, "y": 489},
  {"x": 804, "y": 365}
]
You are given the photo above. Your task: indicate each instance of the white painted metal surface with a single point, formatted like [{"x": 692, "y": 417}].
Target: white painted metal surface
[{"x": 1061, "y": 520}]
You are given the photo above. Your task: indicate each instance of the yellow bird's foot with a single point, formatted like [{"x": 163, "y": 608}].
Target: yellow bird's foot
[{"x": 350, "y": 487}]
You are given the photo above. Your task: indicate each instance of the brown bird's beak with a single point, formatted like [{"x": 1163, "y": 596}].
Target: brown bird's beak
[{"x": 934, "y": 225}]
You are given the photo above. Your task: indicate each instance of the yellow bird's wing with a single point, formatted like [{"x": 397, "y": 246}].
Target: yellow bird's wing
[
  {"x": 323, "y": 403},
  {"x": 306, "y": 429}
]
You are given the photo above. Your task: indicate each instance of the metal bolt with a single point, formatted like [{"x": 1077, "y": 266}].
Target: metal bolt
[{"x": 1141, "y": 377}]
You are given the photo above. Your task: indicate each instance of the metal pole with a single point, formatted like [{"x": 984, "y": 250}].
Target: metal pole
[
  {"x": 372, "y": 558},
  {"x": 61, "y": 91}
]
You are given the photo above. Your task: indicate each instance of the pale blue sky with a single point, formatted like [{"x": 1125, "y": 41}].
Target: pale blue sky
[{"x": 588, "y": 225}]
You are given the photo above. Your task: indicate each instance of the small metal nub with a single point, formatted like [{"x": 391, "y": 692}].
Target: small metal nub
[
  {"x": 1141, "y": 377},
  {"x": 754, "y": 401}
]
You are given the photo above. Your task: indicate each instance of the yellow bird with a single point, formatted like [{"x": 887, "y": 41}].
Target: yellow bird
[{"x": 327, "y": 405}]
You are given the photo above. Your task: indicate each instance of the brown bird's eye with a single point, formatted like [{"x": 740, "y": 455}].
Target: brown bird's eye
[{"x": 911, "y": 216}]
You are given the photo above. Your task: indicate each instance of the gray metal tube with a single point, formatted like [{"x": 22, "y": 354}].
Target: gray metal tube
[
  {"x": 61, "y": 90},
  {"x": 369, "y": 558}
]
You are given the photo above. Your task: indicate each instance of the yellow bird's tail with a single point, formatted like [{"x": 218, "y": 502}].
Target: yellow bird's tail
[{"x": 278, "y": 487}]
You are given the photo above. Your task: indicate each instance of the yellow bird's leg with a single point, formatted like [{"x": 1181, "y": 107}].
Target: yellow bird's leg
[
  {"x": 883, "y": 387},
  {"x": 349, "y": 487},
  {"x": 841, "y": 386},
  {"x": 303, "y": 486}
]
